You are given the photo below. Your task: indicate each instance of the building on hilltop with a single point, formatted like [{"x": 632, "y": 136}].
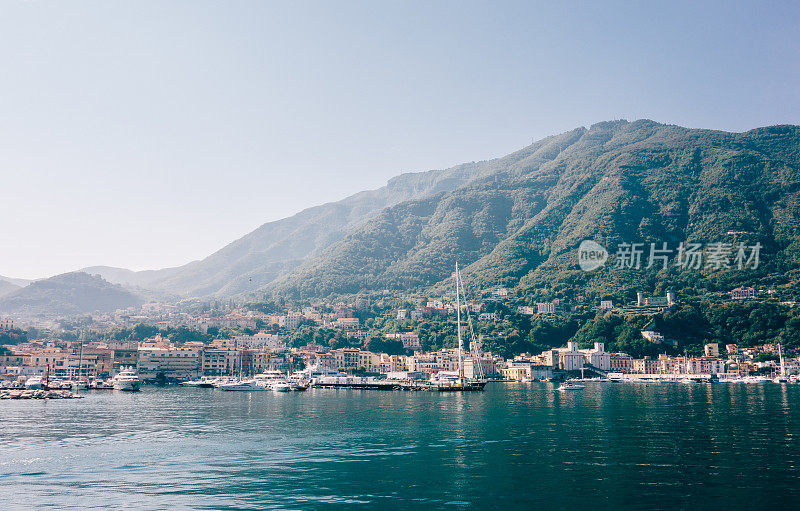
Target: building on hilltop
[
  {"x": 655, "y": 301},
  {"x": 546, "y": 307},
  {"x": 743, "y": 293}
]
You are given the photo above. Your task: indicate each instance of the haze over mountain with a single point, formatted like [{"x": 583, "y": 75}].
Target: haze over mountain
[
  {"x": 7, "y": 287},
  {"x": 16, "y": 282},
  {"x": 517, "y": 220},
  {"x": 277, "y": 247}
]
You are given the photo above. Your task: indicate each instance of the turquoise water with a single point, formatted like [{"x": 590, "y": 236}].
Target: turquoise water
[{"x": 514, "y": 446}]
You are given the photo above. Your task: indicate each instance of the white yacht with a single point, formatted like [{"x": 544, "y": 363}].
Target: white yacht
[
  {"x": 34, "y": 383},
  {"x": 281, "y": 386},
  {"x": 241, "y": 386},
  {"x": 570, "y": 386},
  {"x": 267, "y": 378},
  {"x": 312, "y": 373},
  {"x": 127, "y": 380}
]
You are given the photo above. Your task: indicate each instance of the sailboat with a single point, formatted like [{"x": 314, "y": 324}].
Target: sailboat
[
  {"x": 781, "y": 378},
  {"x": 458, "y": 383}
]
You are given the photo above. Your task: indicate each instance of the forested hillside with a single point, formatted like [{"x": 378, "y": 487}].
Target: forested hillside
[{"x": 617, "y": 182}]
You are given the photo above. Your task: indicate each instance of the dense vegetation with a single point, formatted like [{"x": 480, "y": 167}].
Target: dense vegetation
[{"x": 616, "y": 182}]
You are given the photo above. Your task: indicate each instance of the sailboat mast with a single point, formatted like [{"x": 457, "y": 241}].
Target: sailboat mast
[
  {"x": 780, "y": 356},
  {"x": 458, "y": 328}
]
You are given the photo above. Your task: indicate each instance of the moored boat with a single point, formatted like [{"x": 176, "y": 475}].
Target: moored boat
[
  {"x": 241, "y": 386},
  {"x": 127, "y": 381}
]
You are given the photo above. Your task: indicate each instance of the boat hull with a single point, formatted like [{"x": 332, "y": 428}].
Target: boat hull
[{"x": 127, "y": 386}]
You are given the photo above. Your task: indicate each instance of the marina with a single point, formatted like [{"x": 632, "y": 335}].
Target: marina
[{"x": 201, "y": 448}]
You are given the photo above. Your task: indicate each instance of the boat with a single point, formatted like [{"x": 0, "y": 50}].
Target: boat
[
  {"x": 570, "y": 386},
  {"x": 280, "y": 386},
  {"x": 781, "y": 378},
  {"x": 457, "y": 382},
  {"x": 203, "y": 382},
  {"x": 34, "y": 383},
  {"x": 127, "y": 381},
  {"x": 241, "y": 386}
]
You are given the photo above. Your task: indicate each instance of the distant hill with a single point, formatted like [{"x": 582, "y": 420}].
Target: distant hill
[
  {"x": 125, "y": 277},
  {"x": 277, "y": 247},
  {"x": 68, "y": 294},
  {"x": 16, "y": 282},
  {"x": 520, "y": 225},
  {"x": 7, "y": 287}
]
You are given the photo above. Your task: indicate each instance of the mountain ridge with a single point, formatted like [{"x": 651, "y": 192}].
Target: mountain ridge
[
  {"x": 68, "y": 294},
  {"x": 617, "y": 179}
]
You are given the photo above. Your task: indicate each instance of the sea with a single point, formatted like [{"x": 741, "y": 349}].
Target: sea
[{"x": 512, "y": 446}]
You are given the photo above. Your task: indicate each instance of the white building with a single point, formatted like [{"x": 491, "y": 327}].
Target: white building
[
  {"x": 570, "y": 359},
  {"x": 546, "y": 307},
  {"x": 182, "y": 363},
  {"x": 261, "y": 340},
  {"x": 293, "y": 320},
  {"x": 606, "y": 304}
]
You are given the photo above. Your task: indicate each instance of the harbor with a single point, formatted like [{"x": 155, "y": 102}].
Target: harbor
[{"x": 202, "y": 448}]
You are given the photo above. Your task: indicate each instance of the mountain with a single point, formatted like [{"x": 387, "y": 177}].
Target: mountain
[
  {"x": 68, "y": 294},
  {"x": 16, "y": 282},
  {"x": 520, "y": 224},
  {"x": 278, "y": 247},
  {"x": 142, "y": 279},
  {"x": 7, "y": 287}
]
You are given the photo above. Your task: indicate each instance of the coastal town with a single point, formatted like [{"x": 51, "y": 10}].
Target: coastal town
[{"x": 229, "y": 344}]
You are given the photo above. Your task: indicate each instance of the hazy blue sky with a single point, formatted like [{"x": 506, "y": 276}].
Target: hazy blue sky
[{"x": 146, "y": 134}]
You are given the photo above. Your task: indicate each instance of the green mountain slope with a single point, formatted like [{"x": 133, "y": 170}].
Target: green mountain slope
[
  {"x": 617, "y": 182},
  {"x": 277, "y": 247},
  {"x": 67, "y": 294}
]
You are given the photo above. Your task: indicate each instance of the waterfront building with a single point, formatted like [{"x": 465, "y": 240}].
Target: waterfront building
[
  {"x": 124, "y": 357},
  {"x": 598, "y": 357},
  {"x": 261, "y": 340},
  {"x": 479, "y": 367},
  {"x": 705, "y": 365},
  {"x": 568, "y": 359},
  {"x": 620, "y": 362},
  {"x": 645, "y": 365},
  {"x": 519, "y": 371},
  {"x": 711, "y": 350},
  {"x": 216, "y": 361},
  {"x": 159, "y": 357}
]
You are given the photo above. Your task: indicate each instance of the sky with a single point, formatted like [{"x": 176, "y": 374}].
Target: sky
[{"x": 148, "y": 134}]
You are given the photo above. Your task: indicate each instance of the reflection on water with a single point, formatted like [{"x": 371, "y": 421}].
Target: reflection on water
[{"x": 514, "y": 446}]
